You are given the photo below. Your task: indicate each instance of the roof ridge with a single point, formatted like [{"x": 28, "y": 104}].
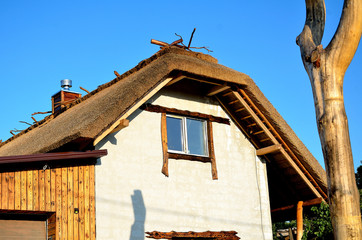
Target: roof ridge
[{"x": 140, "y": 65}]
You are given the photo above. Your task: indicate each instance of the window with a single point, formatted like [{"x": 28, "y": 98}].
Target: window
[
  {"x": 187, "y": 135},
  {"x": 187, "y": 138}
]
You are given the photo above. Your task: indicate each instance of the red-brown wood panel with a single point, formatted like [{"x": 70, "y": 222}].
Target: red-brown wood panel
[{"x": 58, "y": 190}]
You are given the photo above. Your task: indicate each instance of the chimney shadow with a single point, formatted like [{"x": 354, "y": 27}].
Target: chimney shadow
[{"x": 139, "y": 211}]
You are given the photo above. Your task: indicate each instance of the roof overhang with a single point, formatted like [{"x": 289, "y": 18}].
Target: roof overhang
[{"x": 47, "y": 157}]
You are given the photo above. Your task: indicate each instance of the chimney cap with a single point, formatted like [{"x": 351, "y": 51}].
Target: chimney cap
[{"x": 66, "y": 84}]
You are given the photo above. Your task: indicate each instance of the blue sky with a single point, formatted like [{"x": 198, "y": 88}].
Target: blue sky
[{"x": 43, "y": 42}]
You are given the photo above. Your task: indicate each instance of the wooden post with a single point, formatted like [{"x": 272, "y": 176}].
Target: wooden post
[
  {"x": 299, "y": 220},
  {"x": 164, "y": 144}
]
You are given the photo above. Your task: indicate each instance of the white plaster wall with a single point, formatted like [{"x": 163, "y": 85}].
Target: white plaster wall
[{"x": 188, "y": 200}]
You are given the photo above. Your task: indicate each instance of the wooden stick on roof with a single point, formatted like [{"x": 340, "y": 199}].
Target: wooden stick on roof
[
  {"x": 178, "y": 42},
  {"x": 40, "y": 113},
  {"x": 85, "y": 90},
  {"x": 192, "y": 35}
]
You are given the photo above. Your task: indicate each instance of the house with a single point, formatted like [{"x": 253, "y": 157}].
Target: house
[{"x": 178, "y": 147}]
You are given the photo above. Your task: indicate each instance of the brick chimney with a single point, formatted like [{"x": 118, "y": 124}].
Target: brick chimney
[{"x": 64, "y": 96}]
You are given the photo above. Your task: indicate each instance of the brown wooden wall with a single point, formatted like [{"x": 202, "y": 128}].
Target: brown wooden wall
[{"x": 58, "y": 190}]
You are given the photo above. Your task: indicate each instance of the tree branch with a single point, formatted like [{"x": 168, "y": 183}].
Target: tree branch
[
  {"x": 313, "y": 30},
  {"x": 311, "y": 50},
  {"x": 341, "y": 49}
]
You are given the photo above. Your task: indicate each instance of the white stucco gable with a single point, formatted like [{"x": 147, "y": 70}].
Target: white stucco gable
[{"x": 133, "y": 196}]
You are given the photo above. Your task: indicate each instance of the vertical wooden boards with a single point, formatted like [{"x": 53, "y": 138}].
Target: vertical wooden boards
[
  {"x": 76, "y": 202},
  {"x": 86, "y": 203},
  {"x": 59, "y": 190},
  {"x": 164, "y": 144},
  {"x": 11, "y": 189},
  {"x": 17, "y": 189},
  {"x": 47, "y": 188},
  {"x": 64, "y": 201},
  {"x": 70, "y": 209},
  {"x": 4, "y": 190},
  {"x": 81, "y": 203},
  {"x": 35, "y": 190},
  {"x": 53, "y": 183},
  {"x": 23, "y": 190},
  {"x": 0, "y": 190},
  {"x": 41, "y": 190},
  {"x": 29, "y": 190},
  {"x": 92, "y": 202},
  {"x": 58, "y": 203}
]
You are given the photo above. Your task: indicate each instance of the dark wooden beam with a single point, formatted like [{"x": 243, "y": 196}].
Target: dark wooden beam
[
  {"x": 160, "y": 109},
  {"x": 178, "y": 156},
  {"x": 223, "y": 235},
  {"x": 311, "y": 202}
]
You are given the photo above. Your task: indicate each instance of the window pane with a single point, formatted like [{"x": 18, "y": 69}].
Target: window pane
[
  {"x": 174, "y": 133},
  {"x": 196, "y": 136}
]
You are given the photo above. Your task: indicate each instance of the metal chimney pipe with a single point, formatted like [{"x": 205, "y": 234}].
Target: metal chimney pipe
[{"x": 66, "y": 84}]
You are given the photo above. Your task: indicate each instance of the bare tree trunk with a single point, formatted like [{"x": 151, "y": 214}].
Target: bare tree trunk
[{"x": 326, "y": 69}]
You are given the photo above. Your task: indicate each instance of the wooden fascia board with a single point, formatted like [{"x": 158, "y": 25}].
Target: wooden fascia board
[
  {"x": 133, "y": 108},
  {"x": 275, "y": 142},
  {"x": 52, "y": 156}
]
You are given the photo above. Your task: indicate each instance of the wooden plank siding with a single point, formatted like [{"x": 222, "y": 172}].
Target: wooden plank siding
[{"x": 57, "y": 190}]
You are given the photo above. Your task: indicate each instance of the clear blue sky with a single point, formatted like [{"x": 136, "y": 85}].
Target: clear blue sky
[{"x": 43, "y": 42}]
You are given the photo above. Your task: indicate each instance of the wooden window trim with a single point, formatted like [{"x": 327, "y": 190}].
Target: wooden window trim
[
  {"x": 180, "y": 156},
  {"x": 177, "y": 156},
  {"x": 160, "y": 109}
]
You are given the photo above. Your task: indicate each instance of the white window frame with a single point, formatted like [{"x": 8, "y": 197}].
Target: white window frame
[{"x": 184, "y": 135}]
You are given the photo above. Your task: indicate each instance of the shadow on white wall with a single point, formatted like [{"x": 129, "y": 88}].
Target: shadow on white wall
[{"x": 139, "y": 211}]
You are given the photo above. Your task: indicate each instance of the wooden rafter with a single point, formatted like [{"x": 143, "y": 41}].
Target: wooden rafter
[
  {"x": 175, "y": 80},
  {"x": 122, "y": 124},
  {"x": 270, "y": 149},
  {"x": 275, "y": 138},
  {"x": 216, "y": 90},
  {"x": 237, "y": 123},
  {"x": 311, "y": 202}
]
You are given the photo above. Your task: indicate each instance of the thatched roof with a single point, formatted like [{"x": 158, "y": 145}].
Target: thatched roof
[{"x": 90, "y": 116}]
